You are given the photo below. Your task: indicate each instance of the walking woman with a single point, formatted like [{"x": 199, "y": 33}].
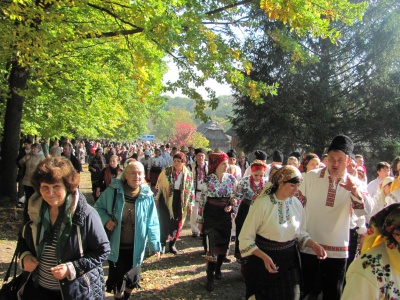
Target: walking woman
[
  {"x": 109, "y": 173},
  {"x": 273, "y": 227},
  {"x": 174, "y": 199},
  {"x": 214, "y": 215},
  {"x": 127, "y": 210},
  {"x": 248, "y": 189},
  {"x": 63, "y": 244},
  {"x": 97, "y": 164}
]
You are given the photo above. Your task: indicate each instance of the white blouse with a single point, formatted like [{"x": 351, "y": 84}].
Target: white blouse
[{"x": 275, "y": 220}]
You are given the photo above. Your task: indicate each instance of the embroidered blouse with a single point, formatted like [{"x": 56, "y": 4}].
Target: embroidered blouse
[
  {"x": 273, "y": 219},
  {"x": 213, "y": 188},
  {"x": 371, "y": 276},
  {"x": 248, "y": 189}
]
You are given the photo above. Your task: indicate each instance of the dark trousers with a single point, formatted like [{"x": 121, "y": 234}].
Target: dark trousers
[
  {"x": 329, "y": 273},
  {"x": 353, "y": 245},
  {"x": 29, "y": 191},
  {"x": 117, "y": 270}
]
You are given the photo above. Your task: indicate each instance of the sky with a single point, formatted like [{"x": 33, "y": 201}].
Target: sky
[{"x": 219, "y": 89}]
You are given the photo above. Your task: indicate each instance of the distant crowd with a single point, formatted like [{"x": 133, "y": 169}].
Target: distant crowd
[{"x": 301, "y": 226}]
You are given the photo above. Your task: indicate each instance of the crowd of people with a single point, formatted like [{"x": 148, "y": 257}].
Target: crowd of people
[{"x": 304, "y": 227}]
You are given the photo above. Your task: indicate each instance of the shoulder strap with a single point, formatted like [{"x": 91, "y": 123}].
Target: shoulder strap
[
  {"x": 114, "y": 200},
  {"x": 78, "y": 229},
  {"x": 13, "y": 262}
]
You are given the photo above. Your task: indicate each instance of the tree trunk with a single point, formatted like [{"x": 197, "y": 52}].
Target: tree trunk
[{"x": 12, "y": 128}]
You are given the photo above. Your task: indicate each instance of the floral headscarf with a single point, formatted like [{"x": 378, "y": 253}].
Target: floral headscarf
[
  {"x": 285, "y": 174},
  {"x": 382, "y": 227},
  {"x": 214, "y": 160}
]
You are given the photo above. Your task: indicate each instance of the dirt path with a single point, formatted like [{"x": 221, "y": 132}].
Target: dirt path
[{"x": 179, "y": 276}]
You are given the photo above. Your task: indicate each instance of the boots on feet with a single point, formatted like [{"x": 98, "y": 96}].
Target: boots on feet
[{"x": 172, "y": 247}]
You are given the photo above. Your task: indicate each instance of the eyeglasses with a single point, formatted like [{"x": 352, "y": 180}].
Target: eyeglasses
[{"x": 396, "y": 234}]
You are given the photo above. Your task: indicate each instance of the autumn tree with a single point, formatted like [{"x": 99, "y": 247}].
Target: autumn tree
[
  {"x": 183, "y": 133},
  {"x": 95, "y": 67}
]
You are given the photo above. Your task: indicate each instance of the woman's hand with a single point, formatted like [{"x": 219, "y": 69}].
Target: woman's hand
[
  {"x": 319, "y": 251},
  {"x": 228, "y": 208},
  {"x": 98, "y": 192},
  {"x": 110, "y": 225},
  {"x": 30, "y": 263},
  {"x": 269, "y": 264},
  {"x": 60, "y": 271}
]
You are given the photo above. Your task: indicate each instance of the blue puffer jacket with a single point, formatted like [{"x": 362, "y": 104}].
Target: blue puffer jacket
[
  {"x": 146, "y": 220},
  {"x": 89, "y": 282}
]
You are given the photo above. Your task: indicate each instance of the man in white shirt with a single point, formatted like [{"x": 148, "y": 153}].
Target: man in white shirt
[
  {"x": 383, "y": 171},
  {"x": 164, "y": 153},
  {"x": 331, "y": 196}
]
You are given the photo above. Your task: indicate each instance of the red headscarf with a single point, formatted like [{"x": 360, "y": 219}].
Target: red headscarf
[{"x": 214, "y": 160}]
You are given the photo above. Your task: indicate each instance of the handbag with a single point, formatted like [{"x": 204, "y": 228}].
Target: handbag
[{"x": 10, "y": 289}]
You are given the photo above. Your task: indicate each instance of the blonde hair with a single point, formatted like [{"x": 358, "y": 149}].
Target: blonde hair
[
  {"x": 293, "y": 159},
  {"x": 132, "y": 163}
]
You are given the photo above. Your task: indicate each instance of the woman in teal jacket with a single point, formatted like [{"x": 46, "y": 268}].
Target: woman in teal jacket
[{"x": 128, "y": 212}]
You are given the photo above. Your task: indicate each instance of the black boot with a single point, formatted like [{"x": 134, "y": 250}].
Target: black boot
[
  {"x": 127, "y": 295},
  {"x": 210, "y": 276},
  {"x": 210, "y": 281},
  {"x": 218, "y": 274},
  {"x": 172, "y": 247}
]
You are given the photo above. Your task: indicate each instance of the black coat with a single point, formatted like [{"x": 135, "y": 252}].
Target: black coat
[{"x": 89, "y": 282}]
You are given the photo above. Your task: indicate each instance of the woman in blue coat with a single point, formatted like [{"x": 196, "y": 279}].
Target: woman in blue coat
[{"x": 128, "y": 212}]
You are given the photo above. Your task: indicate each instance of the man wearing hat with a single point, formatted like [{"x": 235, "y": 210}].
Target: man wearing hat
[
  {"x": 260, "y": 155},
  {"x": 199, "y": 170},
  {"x": 233, "y": 168},
  {"x": 277, "y": 160},
  {"x": 332, "y": 195}
]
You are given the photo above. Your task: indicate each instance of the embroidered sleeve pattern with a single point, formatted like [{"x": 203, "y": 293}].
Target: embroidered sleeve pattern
[{"x": 248, "y": 250}]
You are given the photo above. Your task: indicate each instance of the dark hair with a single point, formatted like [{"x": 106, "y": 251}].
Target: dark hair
[
  {"x": 306, "y": 160},
  {"x": 394, "y": 166},
  {"x": 381, "y": 165},
  {"x": 53, "y": 169}
]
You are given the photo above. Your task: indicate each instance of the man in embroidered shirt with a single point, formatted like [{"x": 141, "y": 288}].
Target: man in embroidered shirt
[{"x": 331, "y": 196}]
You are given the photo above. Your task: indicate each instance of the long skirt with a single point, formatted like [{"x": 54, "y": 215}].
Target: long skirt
[
  {"x": 216, "y": 228},
  {"x": 282, "y": 285},
  {"x": 170, "y": 228},
  {"x": 154, "y": 173},
  {"x": 239, "y": 220}
]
